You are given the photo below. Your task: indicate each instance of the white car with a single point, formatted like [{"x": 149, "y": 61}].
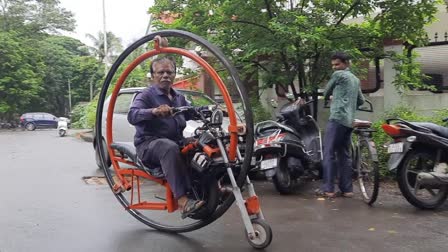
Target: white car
[{"x": 123, "y": 131}]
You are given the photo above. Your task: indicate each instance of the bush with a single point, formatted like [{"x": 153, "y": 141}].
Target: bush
[
  {"x": 259, "y": 112},
  {"x": 84, "y": 115}
]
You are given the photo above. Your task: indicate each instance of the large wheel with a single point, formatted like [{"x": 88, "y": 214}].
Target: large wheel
[
  {"x": 159, "y": 219},
  {"x": 105, "y": 154},
  {"x": 263, "y": 234},
  {"x": 424, "y": 197},
  {"x": 368, "y": 172},
  {"x": 284, "y": 183}
]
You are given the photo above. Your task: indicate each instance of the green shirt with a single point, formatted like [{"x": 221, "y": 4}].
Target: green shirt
[{"x": 347, "y": 96}]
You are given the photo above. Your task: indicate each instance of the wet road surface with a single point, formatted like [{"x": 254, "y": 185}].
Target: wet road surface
[{"x": 47, "y": 206}]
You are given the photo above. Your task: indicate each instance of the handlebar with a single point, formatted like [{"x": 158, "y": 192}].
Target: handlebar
[{"x": 360, "y": 108}]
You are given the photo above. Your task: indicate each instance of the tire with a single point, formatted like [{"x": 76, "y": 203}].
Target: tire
[
  {"x": 283, "y": 182},
  {"x": 209, "y": 192},
  {"x": 62, "y": 133},
  {"x": 30, "y": 126},
  {"x": 263, "y": 234},
  {"x": 368, "y": 172},
  {"x": 106, "y": 156},
  {"x": 406, "y": 178}
]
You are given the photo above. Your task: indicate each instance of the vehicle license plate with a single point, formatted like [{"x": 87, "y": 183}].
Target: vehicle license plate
[
  {"x": 395, "y": 148},
  {"x": 268, "y": 164}
]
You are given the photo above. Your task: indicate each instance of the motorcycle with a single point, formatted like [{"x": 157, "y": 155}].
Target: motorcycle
[
  {"x": 418, "y": 154},
  {"x": 289, "y": 148},
  {"x": 62, "y": 126}
]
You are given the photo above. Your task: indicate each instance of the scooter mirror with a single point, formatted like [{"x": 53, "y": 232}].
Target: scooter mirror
[{"x": 274, "y": 103}]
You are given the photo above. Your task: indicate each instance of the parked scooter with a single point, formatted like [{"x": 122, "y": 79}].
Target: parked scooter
[
  {"x": 289, "y": 148},
  {"x": 62, "y": 126},
  {"x": 419, "y": 154}
]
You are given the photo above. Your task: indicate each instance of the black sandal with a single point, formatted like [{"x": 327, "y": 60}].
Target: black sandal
[{"x": 190, "y": 207}]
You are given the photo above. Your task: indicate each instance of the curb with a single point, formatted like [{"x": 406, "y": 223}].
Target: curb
[{"x": 86, "y": 136}]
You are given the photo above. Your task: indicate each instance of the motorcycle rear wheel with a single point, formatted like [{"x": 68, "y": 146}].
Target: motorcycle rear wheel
[{"x": 419, "y": 160}]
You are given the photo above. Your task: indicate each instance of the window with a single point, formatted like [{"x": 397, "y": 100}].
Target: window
[
  {"x": 49, "y": 117},
  {"x": 38, "y": 116},
  {"x": 123, "y": 103}
]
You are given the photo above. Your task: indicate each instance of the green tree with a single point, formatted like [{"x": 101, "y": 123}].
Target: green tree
[
  {"x": 114, "y": 46},
  {"x": 35, "y": 16},
  {"x": 21, "y": 75},
  {"x": 66, "y": 60},
  {"x": 293, "y": 40}
]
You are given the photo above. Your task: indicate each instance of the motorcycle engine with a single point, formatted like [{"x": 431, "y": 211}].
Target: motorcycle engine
[{"x": 200, "y": 162}]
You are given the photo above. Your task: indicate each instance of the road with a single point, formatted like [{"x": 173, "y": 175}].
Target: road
[{"x": 47, "y": 206}]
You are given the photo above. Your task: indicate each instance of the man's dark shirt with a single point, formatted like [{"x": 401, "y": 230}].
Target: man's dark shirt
[{"x": 149, "y": 126}]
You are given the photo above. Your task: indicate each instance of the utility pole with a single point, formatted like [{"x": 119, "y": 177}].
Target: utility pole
[
  {"x": 105, "y": 39},
  {"x": 69, "y": 98},
  {"x": 91, "y": 89}
]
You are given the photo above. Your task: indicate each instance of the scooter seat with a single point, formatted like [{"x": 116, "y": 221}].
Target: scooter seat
[
  {"x": 360, "y": 124},
  {"x": 129, "y": 150},
  {"x": 436, "y": 129}
]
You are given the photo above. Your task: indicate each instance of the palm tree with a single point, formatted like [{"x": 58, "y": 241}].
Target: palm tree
[{"x": 114, "y": 46}]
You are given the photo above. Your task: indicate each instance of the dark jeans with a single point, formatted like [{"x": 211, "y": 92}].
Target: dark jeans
[
  {"x": 166, "y": 154},
  {"x": 337, "y": 144}
]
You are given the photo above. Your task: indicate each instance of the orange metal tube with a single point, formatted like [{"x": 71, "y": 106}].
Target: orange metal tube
[
  {"x": 228, "y": 101},
  {"x": 149, "y": 206},
  {"x": 140, "y": 174}
]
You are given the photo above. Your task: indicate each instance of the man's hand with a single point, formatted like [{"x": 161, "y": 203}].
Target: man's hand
[
  {"x": 162, "y": 111},
  {"x": 300, "y": 102}
]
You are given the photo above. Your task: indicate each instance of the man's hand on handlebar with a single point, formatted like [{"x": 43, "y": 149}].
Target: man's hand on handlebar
[{"x": 162, "y": 111}]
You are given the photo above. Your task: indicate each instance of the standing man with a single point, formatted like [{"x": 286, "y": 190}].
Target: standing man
[
  {"x": 344, "y": 87},
  {"x": 159, "y": 134}
]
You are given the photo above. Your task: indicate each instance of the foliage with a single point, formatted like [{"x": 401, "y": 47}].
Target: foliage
[
  {"x": 409, "y": 74},
  {"x": 114, "y": 46},
  {"x": 259, "y": 112},
  {"x": 20, "y": 74},
  {"x": 291, "y": 40},
  {"x": 31, "y": 17},
  {"x": 66, "y": 63},
  {"x": 36, "y": 65},
  {"x": 84, "y": 114}
]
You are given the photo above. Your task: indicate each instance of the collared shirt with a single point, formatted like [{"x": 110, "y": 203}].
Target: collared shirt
[
  {"x": 149, "y": 126},
  {"x": 347, "y": 96}
]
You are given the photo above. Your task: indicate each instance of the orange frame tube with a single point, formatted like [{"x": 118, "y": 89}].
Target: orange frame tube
[{"x": 233, "y": 128}]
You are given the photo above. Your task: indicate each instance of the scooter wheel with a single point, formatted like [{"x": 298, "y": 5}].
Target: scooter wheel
[
  {"x": 62, "y": 133},
  {"x": 263, "y": 234}
]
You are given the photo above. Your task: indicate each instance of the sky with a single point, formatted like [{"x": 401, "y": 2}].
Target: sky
[{"x": 126, "y": 19}]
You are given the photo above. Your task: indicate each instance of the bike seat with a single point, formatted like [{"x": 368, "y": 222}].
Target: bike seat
[
  {"x": 129, "y": 150},
  {"x": 360, "y": 124},
  {"x": 436, "y": 129}
]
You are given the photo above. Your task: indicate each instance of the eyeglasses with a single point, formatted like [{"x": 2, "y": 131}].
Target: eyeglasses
[{"x": 164, "y": 72}]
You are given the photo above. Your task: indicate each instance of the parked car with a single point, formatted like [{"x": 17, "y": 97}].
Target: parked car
[
  {"x": 123, "y": 131},
  {"x": 31, "y": 121}
]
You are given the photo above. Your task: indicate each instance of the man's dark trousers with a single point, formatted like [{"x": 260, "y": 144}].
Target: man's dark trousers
[
  {"x": 165, "y": 153},
  {"x": 337, "y": 144}
]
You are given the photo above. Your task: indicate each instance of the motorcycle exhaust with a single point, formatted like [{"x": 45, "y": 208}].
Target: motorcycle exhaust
[{"x": 432, "y": 178}]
